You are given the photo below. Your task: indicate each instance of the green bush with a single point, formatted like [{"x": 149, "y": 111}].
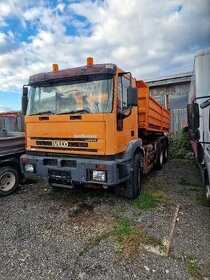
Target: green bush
[{"x": 179, "y": 147}]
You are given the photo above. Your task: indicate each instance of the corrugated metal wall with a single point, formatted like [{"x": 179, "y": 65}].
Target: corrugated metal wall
[
  {"x": 12, "y": 123},
  {"x": 178, "y": 120}
]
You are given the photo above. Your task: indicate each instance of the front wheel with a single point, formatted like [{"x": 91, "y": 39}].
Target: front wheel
[
  {"x": 133, "y": 185},
  {"x": 9, "y": 180}
]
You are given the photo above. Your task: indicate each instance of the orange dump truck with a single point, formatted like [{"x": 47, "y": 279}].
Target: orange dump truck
[{"x": 93, "y": 125}]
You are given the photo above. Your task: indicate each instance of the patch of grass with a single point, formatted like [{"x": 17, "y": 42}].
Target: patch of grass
[
  {"x": 146, "y": 201},
  {"x": 127, "y": 244},
  {"x": 123, "y": 227},
  {"x": 192, "y": 267},
  {"x": 164, "y": 197},
  {"x": 187, "y": 182},
  {"x": 129, "y": 237}
]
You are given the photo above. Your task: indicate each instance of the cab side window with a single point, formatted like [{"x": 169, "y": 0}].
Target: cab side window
[{"x": 123, "y": 85}]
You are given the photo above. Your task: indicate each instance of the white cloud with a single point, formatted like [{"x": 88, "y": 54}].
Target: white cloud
[
  {"x": 5, "y": 109},
  {"x": 140, "y": 36}
]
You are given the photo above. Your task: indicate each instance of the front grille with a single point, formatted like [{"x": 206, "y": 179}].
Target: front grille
[
  {"x": 68, "y": 163},
  {"x": 63, "y": 149},
  {"x": 70, "y": 144},
  {"x": 52, "y": 162},
  {"x": 63, "y": 144}
]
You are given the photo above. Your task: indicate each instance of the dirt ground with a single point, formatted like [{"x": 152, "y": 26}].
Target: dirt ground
[{"x": 91, "y": 234}]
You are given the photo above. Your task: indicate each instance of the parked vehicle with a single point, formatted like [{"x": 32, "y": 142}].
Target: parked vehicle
[
  {"x": 199, "y": 114},
  {"x": 12, "y": 146},
  {"x": 93, "y": 125}
]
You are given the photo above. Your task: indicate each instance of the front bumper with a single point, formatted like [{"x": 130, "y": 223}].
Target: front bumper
[{"x": 70, "y": 170}]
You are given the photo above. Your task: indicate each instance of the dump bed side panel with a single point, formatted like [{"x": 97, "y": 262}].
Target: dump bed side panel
[
  {"x": 152, "y": 116},
  {"x": 12, "y": 143}
]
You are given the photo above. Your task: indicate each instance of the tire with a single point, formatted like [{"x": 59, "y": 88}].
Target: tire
[
  {"x": 133, "y": 185},
  {"x": 9, "y": 180},
  {"x": 165, "y": 153},
  {"x": 159, "y": 163}
]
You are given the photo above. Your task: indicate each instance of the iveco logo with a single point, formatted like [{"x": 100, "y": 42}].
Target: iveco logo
[{"x": 59, "y": 144}]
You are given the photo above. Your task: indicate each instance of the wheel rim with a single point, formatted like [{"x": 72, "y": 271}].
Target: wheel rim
[{"x": 7, "y": 181}]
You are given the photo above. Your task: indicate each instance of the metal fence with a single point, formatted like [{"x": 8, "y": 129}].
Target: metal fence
[{"x": 12, "y": 123}]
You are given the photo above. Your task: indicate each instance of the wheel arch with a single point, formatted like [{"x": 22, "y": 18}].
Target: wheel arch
[
  {"x": 13, "y": 162},
  {"x": 134, "y": 146}
]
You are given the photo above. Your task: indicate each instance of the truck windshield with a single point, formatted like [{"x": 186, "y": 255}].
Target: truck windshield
[{"x": 93, "y": 94}]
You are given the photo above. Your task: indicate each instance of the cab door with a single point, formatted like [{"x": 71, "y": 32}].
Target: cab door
[{"x": 126, "y": 126}]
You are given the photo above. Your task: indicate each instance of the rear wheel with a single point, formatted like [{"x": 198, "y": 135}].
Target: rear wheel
[
  {"x": 9, "y": 180},
  {"x": 133, "y": 185}
]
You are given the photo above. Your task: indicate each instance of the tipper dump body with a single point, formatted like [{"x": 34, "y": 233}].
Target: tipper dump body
[
  {"x": 151, "y": 115},
  {"x": 11, "y": 143}
]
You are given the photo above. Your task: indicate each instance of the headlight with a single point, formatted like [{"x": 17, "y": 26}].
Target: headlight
[
  {"x": 29, "y": 168},
  {"x": 99, "y": 175}
]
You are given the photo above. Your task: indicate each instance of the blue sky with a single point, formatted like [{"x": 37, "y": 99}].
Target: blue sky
[{"x": 136, "y": 35}]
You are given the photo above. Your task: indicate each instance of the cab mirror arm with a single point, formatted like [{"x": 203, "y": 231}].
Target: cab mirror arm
[{"x": 125, "y": 114}]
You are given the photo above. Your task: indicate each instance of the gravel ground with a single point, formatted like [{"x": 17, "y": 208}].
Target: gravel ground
[{"x": 71, "y": 234}]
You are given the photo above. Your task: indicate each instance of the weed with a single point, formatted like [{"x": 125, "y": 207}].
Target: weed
[
  {"x": 146, "y": 201},
  {"x": 118, "y": 248},
  {"x": 192, "y": 267},
  {"x": 179, "y": 147},
  {"x": 123, "y": 227},
  {"x": 129, "y": 237}
]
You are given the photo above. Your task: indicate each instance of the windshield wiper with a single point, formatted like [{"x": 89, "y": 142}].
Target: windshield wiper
[
  {"x": 75, "y": 112},
  {"x": 42, "y": 113}
]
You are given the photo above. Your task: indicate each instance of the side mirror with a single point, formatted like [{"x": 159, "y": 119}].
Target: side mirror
[
  {"x": 193, "y": 116},
  {"x": 132, "y": 96},
  {"x": 205, "y": 104},
  {"x": 24, "y": 100}
]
